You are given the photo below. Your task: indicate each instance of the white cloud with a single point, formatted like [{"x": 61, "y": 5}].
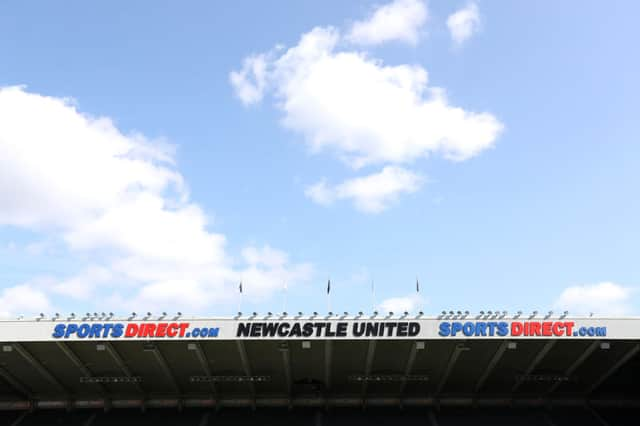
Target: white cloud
[
  {"x": 119, "y": 201},
  {"x": 365, "y": 112},
  {"x": 370, "y": 194},
  {"x": 23, "y": 298},
  {"x": 249, "y": 83},
  {"x": 401, "y": 304},
  {"x": 464, "y": 23},
  {"x": 399, "y": 20},
  {"x": 604, "y": 298}
]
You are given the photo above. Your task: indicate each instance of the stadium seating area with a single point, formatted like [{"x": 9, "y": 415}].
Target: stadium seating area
[{"x": 266, "y": 417}]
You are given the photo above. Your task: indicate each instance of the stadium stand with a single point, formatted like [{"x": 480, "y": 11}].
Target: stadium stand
[{"x": 224, "y": 380}]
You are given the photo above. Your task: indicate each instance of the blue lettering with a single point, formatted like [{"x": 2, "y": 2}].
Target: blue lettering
[
  {"x": 445, "y": 329},
  {"x": 456, "y": 327},
  {"x": 71, "y": 329},
  {"x": 118, "y": 330},
  {"x": 83, "y": 330},
  {"x": 503, "y": 329},
  {"x": 58, "y": 331},
  {"x": 468, "y": 329}
]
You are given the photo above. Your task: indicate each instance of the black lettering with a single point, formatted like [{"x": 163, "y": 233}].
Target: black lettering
[
  {"x": 372, "y": 329},
  {"x": 256, "y": 329},
  {"x": 283, "y": 329},
  {"x": 307, "y": 329},
  {"x": 414, "y": 329},
  {"x": 270, "y": 329},
  {"x": 402, "y": 329},
  {"x": 243, "y": 330},
  {"x": 342, "y": 329},
  {"x": 295, "y": 330},
  {"x": 358, "y": 329}
]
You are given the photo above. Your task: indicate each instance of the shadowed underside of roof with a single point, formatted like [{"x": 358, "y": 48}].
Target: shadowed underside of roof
[{"x": 319, "y": 374}]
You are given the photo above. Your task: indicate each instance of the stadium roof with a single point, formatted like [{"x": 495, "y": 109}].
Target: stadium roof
[{"x": 63, "y": 364}]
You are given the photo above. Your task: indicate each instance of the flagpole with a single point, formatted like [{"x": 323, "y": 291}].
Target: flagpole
[
  {"x": 328, "y": 295},
  {"x": 240, "y": 298},
  {"x": 284, "y": 302},
  {"x": 373, "y": 298}
]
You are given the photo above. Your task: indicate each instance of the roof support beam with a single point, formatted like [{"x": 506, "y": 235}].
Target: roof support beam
[
  {"x": 539, "y": 357},
  {"x": 491, "y": 366},
  {"x": 121, "y": 364},
  {"x": 90, "y": 420},
  {"x": 411, "y": 359},
  {"x": 19, "y": 420},
  {"x": 432, "y": 418},
  {"x": 597, "y": 416},
  {"x": 15, "y": 383},
  {"x": 78, "y": 363},
  {"x": 202, "y": 359},
  {"x": 615, "y": 367},
  {"x": 246, "y": 367},
  {"x": 39, "y": 367},
  {"x": 459, "y": 348},
  {"x": 576, "y": 364},
  {"x": 286, "y": 363},
  {"x": 328, "y": 353},
  {"x": 162, "y": 362},
  {"x": 368, "y": 365}
]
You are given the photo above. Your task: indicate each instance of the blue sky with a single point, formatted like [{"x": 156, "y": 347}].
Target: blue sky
[{"x": 519, "y": 192}]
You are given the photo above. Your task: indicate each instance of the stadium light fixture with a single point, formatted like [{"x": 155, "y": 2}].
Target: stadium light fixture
[
  {"x": 147, "y": 316},
  {"x": 466, "y": 314},
  {"x": 71, "y": 316},
  {"x": 315, "y": 314},
  {"x": 110, "y": 315},
  {"x": 56, "y": 316},
  {"x": 132, "y": 316},
  {"x": 375, "y": 314},
  {"x": 480, "y": 314},
  {"x": 564, "y": 314},
  {"x": 404, "y": 314},
  {"x": 533, "y": 314},
  {"x": 284, "y": 315},
  {"x": 548, "y": 315},
  {"x": 344, "y": 315},
  {"x": 299, "y": 315},
  {"x": 459, "y": 314},
  {"x": 41, "y": 316},
  {"x": 390, "y": 314},
  {"x": 420, "y": 313},
  {"x": 253, "y": 315},
  {"x": 517, "y": 315}
]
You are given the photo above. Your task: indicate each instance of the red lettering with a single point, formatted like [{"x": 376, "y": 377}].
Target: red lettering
[
  {"x": 516, "y": 328},
  {"x": 172, "y": 330},
  {"x": 557, "y": 328},
  {"x": 183, "y": 328},
  {"x": 569, "y": 327},
  {"x": 546, "y": 328},
  {"x": 161, "y": 330},
  {"x": 131, "y": 331},
  {"x": 147, "y": 330},
  {"x": 535, "y": 329}
]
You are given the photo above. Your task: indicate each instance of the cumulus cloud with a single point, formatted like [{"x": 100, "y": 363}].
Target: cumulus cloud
[
  {"x": 399, "y": 20},
  {"x": 605, "y": 298},
  {"x": 23, "y": 298},
  {"x": 464, "y": 23},
  {"x": 401, "y": 304},
  {"x": 118, "y": 199},
  {"x": 249, "y": 83},
  {"x": 370, "y": 194},
  {"x": 365, "y": 112}
]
